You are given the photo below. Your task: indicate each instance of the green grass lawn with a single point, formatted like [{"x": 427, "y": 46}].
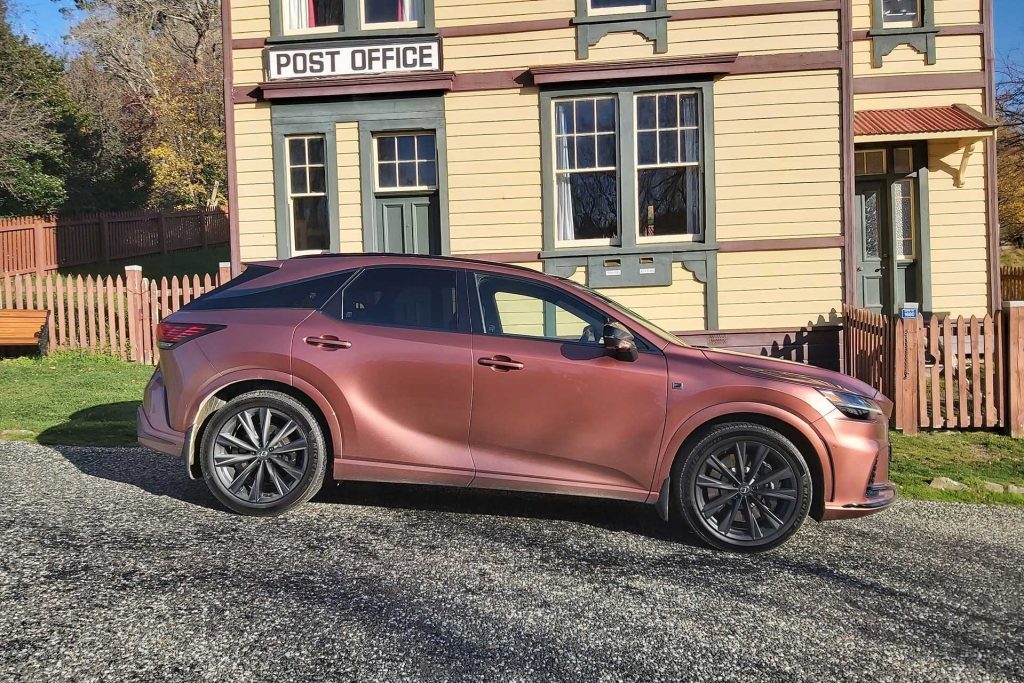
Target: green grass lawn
[
  {"x": 71, "y": 399},
  {"x": 156, "y": 266},
  {"x": 79, "y": 399},
  {"x": 1012, "y": 257}
]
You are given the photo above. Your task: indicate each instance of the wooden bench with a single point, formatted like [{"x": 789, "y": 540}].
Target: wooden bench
[{"x": 24, "y": 328}]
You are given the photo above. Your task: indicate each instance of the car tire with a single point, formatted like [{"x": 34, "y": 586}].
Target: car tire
[
  {"x": 743, "y": 487},
  {"x": 263, "y": 454}
]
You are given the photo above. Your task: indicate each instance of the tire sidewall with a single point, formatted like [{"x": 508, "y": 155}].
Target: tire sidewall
[
  {"x": 686, "y": 469},
  {"x": 311, "y": 479}
]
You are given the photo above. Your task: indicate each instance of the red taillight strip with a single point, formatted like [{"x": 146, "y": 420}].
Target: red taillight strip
[{"x": 171, "y": 335}]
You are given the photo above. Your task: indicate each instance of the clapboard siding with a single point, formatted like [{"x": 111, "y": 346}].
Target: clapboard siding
[
  {"x": 972, "y": 98},
  {"x": 250, "y": 18},
  {"x": 247, "y": 66},
  {"x": 350, "y": 208},
  {"x": 947, "y": 13},
  {"x": 469, "y": 13},
  {"x": 959, "y": 245},
  {"x": 777, "y": 156},
  {"x": 679, "y": 306},
  {"x": 779, "y": 288},
  {"x": 257, "y": 230},
  {"x": 746, "y": 35},
  {"x": 953, "y": 54},
  {"x": 494, "y": 185}
]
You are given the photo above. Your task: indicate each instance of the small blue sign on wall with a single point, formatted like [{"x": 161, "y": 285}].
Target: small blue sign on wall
[{"x": 908, "y": 311}]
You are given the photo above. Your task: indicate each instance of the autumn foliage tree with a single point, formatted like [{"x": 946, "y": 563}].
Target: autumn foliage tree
[{"x": 1010, "y": 103}]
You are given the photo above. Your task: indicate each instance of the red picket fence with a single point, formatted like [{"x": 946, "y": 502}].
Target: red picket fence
[
  {"x": 37, "y": 244},
  {"x": 1012, "y": 278},
  {"x": 941, "y": 373},
  {"x": 116, "y": 316}
]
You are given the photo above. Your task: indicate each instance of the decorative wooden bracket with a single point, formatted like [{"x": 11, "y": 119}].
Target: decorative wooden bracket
[{"x": 970, "y": 146}]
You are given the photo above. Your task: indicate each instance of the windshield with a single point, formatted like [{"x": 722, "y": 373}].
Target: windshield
[{"x": 664, "y": 334}]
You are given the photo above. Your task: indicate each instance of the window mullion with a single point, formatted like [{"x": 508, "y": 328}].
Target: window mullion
[
  {"x": 627, "y": 165},
  {"x": 351, "y": 19}
]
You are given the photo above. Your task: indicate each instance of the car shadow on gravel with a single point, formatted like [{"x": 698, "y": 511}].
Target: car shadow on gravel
[
  {"x": 155, "y": 473},
  {"x": 606, "y": 514}
]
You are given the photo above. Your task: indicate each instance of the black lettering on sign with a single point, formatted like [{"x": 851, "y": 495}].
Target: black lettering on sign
[
  {"x": 359, "y": 60},
  {"x": 374, "y": 57},
  {"x": 316, "y": 62},
  {"x": 284, "y": 60},
  {"x": 333, "y": 56},
  {"x": 300, "y": 63},
  {"x": 409, "y": 60}
]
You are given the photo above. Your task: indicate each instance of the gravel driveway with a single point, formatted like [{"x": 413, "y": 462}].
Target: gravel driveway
[{"x": 113, "y": 566}]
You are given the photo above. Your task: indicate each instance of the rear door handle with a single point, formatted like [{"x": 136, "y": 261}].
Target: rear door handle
[
  {"x": 328, "y": 341},
  {"x": 501, "y": 363}
]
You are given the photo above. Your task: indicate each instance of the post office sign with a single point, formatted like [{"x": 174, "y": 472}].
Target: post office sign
[{"x": 359, "y": 59}]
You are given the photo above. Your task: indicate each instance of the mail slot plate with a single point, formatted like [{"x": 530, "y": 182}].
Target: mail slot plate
[{"x": 629, "y": 270}]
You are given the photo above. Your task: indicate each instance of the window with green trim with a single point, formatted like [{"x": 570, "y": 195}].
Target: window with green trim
[{"x": 627, "y": 168}]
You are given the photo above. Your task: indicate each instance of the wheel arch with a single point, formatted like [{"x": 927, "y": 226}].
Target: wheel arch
[
  {"x": 796, "y": 430},
  {"x": 230, "y": 387}
]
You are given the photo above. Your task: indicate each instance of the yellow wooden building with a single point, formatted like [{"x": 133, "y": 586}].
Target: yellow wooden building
[{"x": 733, "y": 169}]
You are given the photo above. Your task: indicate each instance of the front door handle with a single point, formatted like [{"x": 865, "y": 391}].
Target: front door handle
[
  {"x": 501, "y": 363},
  {"x": 328, "y": 341}
]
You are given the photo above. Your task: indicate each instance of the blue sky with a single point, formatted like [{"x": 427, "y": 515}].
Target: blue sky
[{"x": 43, "y": 21}]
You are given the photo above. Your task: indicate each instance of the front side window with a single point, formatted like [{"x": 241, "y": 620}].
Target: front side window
[
  {"x": 307, "y": 193},
  {"x": 901, "y": 12},
  {"x": 406, "y": 161},
  {"x": 619, "y": 6},
  {"x": 586, "y": 169},
  {"x": 416, "y": 298},
  {"x": 521, "y": 308},
  {"x": 668, "y": 144}
]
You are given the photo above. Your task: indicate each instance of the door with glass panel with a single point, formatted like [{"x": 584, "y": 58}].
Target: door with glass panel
[
  {"x": 889, "y": 272},
  {"x": 407, "y": 214}
]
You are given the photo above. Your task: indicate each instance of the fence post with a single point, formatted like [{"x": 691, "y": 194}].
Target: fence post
[
  {"x": 39, "y": 237},
  {"x": 161, "y": 228},
  {"x": 104, "y": 240},
  {"x": 1013, "y": 314},
  {"x": 223, "y": 272},
  {"x": 906, "y": 368},
  {"x": 133, "y": 285},
  {"x": 205, "y": 222}
]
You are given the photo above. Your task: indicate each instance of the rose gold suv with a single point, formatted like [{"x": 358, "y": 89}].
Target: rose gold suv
[{"x": 447, "y": 371}]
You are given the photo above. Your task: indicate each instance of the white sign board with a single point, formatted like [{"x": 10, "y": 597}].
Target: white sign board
[{"x": 353, "y": 60}]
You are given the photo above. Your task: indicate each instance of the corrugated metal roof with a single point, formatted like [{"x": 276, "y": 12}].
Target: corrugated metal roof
[{"x": 924, "y": 120}]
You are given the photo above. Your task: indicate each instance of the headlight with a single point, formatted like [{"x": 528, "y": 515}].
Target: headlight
[{"x": 851, "y": 405}]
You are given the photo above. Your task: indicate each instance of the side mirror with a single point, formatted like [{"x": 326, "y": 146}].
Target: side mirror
[{"x": 619, "y": 343}]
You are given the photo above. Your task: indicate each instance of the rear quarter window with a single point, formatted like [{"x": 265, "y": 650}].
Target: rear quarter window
[{"x": 310, "y": 293}]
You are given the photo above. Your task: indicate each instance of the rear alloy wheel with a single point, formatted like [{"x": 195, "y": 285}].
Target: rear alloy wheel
[
  {"x": 743, "y": 487},
  {"x": 263, "y": 454}
]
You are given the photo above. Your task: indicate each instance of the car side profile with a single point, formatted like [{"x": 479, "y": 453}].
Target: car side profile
[{"x": 446, "y": 371}]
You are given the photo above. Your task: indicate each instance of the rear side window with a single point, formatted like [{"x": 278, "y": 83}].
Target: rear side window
[
  {"x": 311, "y": 293},
  {"x": 418, "y": 298}
]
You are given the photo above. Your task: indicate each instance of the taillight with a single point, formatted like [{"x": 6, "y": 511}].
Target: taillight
[{"x": 172, "y": 335}]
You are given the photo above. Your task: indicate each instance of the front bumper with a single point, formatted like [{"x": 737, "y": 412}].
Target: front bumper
[
  {"x": 152, "y": 427},
  {"x": 861, "y": 456}
]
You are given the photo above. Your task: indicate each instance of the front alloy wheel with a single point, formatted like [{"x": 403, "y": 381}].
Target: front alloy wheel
[
  {"x": 744, "y": 487},
  {"x": 263, "y": 454}
]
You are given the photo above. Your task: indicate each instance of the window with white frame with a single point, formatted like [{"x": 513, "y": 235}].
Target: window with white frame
[
  {"x": 668, "y": 148},
  {"x": 314, "y": 15},
  {"x": 901, "y": 13},
  {"x": 586, "y": 170},
  {"x": 307, "y": 193},
  {"x": 380, "y": 13},
  {"x": 406, "y": 162},
  {"x": 597, "y": 7},
  {"x": 329, "y": 15}
]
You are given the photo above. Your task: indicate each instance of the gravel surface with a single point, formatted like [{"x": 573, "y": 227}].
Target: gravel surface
[{"x": 113, "y": 566}]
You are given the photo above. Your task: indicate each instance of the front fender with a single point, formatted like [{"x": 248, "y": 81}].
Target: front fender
[
  {"x": 208, "y": 403},
  {"x": 684, "y": 430}
]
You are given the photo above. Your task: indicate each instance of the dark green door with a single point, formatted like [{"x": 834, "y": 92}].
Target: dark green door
[
  {"x": 408, "y": 225},
  {"x": 873, "y": 277}
]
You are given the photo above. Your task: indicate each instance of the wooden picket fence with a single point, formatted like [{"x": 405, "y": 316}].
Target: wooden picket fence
[
  {"x": 942, "y": 373},
  {"x": 1012, "y": 278},
  {"x": 112, "y": 315},
  {"x": 38, "y": 244}
]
